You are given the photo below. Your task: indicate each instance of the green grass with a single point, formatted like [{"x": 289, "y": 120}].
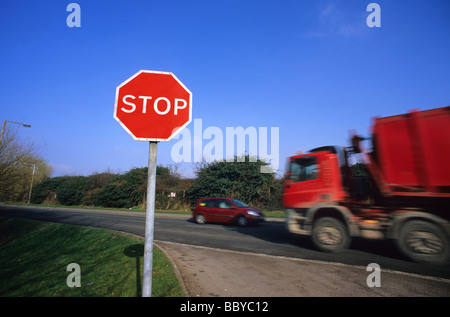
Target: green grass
[{"x": 34, "y": 257}]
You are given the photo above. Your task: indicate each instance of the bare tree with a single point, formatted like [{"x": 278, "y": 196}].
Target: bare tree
[{"x": 17, "y": 161}]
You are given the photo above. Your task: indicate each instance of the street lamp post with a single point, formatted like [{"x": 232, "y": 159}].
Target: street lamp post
[
  {"x": 4, "y": 124},
  {"x": 32, "y": 180},
  {"x": 34, "y": 165}
]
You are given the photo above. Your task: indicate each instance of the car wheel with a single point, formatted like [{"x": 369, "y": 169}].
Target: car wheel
[
  {"x": 200, "y": 219},
  {"x": 330, "y": 235},
  {"x": 424, "y": 242},
  {"x": 242, "y": 221}
]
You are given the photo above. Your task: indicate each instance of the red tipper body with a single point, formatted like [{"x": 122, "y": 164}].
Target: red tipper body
[
  {"x": 412, "y": 152},
  {"x": 400, "y": 190}
]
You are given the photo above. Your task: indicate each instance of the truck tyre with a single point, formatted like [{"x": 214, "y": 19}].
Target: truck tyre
[
  {"x": 424, "y": 242},
  {"x": 330, "y": 235}
]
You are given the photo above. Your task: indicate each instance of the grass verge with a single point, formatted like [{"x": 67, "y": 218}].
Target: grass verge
[{"x": 34, "y": 257}]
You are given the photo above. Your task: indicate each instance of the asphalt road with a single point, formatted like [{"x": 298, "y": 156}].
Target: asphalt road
[
  {"x": 189, "y": 241},
  {"x": 270, "y": 238}
]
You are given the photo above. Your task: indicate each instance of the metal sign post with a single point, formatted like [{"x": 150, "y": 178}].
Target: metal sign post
[
  {"x": 149, "y": 221},
  {"x": 152, "y": 106}
]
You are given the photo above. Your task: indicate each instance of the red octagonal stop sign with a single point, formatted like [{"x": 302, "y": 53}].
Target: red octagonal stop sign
[{"x": 153, "y": 106}]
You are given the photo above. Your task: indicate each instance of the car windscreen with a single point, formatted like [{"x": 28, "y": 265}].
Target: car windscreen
[{"x": 238, "y": 203}]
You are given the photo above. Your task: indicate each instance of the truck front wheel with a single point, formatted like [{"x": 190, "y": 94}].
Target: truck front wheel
[
  {"x": 330, "y": 235},
  {"x": 424, "y": 242}
]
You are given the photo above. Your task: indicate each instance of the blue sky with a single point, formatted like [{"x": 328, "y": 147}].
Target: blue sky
[{"x": 312, "y": 68}]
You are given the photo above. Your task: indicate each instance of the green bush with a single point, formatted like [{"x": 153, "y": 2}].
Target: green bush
[
  {"x": 240, "y": 180},
  {"x": 69, "y": 190},
  {"x": 124, "y": 191},
  {"x": 72, "y": 190},
  {"x": 95, "y": 184}
]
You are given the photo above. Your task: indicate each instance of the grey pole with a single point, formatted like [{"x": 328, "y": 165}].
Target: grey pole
[
  {"x": 149, "y": 222},
  {"x": 31, "y": 185}
]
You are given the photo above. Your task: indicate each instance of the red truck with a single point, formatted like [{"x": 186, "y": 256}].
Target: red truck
[{"x": 400, "y": 190}]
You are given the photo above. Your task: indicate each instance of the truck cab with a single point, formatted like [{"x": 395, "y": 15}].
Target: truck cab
[
  {"x": 316, "y": 186},
  {"x": 314, "y": 177}
]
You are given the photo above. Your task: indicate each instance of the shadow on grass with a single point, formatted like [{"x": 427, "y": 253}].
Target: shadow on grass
[{"x": 136, "y": 251}]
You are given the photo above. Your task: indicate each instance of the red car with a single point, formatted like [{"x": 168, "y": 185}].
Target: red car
[{"x": 225, "y": 210}]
